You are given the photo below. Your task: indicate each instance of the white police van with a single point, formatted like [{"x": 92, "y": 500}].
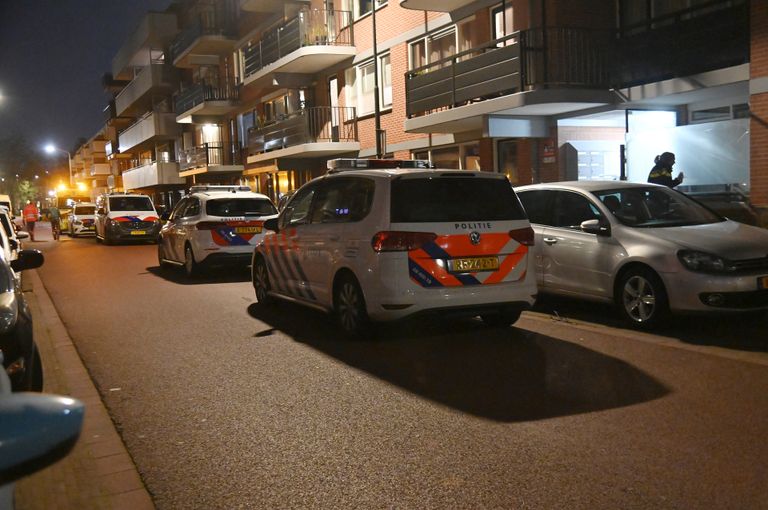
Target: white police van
[{"x": 386, "y": 239}]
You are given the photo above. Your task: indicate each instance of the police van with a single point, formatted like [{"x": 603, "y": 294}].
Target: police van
[
  {"x": 126, "y": 217},
  {"x": 386, "y": 239}
]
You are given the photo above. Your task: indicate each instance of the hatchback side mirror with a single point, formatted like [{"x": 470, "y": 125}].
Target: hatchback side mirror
[
  {"x": 595, "y": 227},
  {"x": 22, "y": 234}
]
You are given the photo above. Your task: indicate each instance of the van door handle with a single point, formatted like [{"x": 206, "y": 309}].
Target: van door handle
[{"x": 550, "y": 240}]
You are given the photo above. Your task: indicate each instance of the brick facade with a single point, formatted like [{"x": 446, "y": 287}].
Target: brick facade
[{"x": 759, "y": 109}]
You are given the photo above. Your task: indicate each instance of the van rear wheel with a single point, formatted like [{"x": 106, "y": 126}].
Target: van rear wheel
[{"x": 349, "y": 306}]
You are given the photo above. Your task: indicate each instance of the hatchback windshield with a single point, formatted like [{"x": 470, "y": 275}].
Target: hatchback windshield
[
  {"x": 655, "y": 207},
  {"x": 240, "y": 207},
  {"x": 130, "y": 204},
  {"x": 459, "y": 198},
  {"x": 86, "y": 209}
]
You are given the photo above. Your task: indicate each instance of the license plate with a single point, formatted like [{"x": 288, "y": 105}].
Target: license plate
[
  {"x": 138, "y": 232},
  {"x": 247, "y": 230},
  {"x": 762, "y": 282},
  {"x": 470, "y": 265}
]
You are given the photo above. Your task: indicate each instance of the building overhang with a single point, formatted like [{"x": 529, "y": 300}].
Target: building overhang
[
  {"x": 207, "y": 112},
  {"x": 307, "y": 60},
  {"x": 434, "y": 5},
  {"x": 534, "y": 103},
  {"x": 205, "y": 50},
  {"x": 307, "y": 150},
  {"x": 212, "y": 169}
]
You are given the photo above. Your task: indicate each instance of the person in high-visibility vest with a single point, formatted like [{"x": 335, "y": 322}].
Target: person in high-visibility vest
[{"x": 31, "y": 214}]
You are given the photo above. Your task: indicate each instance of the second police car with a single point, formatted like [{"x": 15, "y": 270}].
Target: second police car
[
  {"x": 386, "y": 239},
  {"x": 214, "y": 225}
]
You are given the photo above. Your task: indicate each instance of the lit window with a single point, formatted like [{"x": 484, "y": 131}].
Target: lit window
[{"x": 360, "y": 85}]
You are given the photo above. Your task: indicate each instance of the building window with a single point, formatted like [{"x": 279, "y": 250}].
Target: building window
[
  {"x": 433, "y": 48},
  {"x": 360, "y": 8},
  {"x": 502, "y": 24},
  {"x": 359, "y": 88}
]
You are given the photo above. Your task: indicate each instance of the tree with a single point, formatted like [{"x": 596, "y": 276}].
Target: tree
[{"x": 26, "y": 190}]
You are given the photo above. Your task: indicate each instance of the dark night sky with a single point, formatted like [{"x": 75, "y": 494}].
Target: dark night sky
[{"x": 53, "y": 54}]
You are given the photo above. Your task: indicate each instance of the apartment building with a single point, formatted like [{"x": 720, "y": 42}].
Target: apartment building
[{"x": 264, "y": 92}]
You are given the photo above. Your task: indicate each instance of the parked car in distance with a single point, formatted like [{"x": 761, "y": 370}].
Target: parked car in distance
[
  {"x": 82, "y": 219},
  {"x": 21, "y": 359},
  {"x": 214, "y": 225},
  {"x": 647, "y": 248},
  {"x": 35, "y": 431},
  {"x": 126, "y": 217},
  {"x": 387, "y": 239},
  {"x": 13, "y": 236}
]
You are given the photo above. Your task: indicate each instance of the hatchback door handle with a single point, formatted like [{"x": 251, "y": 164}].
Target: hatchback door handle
[{"x": 550, "y": 240}]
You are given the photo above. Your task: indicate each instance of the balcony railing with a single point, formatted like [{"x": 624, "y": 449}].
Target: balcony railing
[
  {"x": 309, "y": 28},
  {"x": 310, "y": 125},
  {"x": 205, "y": 24},
  {"x": 526, "y": 60},
  {"x": 198, "y": 93},
  {"x": 210, "y": 154}
]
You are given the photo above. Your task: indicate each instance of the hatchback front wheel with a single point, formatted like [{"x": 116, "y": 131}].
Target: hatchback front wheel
[{"x": 642, "y": 298}]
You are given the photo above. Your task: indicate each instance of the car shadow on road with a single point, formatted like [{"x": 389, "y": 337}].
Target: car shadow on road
[
  {"x": 207, "y": 276},
  {"x": 744, "y": 331},
  {"x": 506, "y": 375}
]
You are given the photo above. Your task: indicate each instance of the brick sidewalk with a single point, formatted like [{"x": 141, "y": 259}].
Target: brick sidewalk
[{"x": 99, "y": 473}]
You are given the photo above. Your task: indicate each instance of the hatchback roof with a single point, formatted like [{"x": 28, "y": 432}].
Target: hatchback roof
[{"x": 587, "y": 185}]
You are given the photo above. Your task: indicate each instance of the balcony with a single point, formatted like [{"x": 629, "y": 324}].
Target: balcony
[
  {"x": 435, "y": 5},
  {"x": 534, "y": 72},
  {"x": 152, "y": 127},
  {"x": 98, "y": 169},
  {"x": 216, "y": 157},
  {"x": 714, "y": 35},
  {"x": 319, "y": 131},
  {"x": 267, "y": 6},
  {"x": 200, "y": 100},
  {"x": 154, "y": 33},
  {"x": 307, "y": 44},
  {"x": 136, "y": 98},
  {"x": 153, "y": 173},
  {"x": 203, "y": 42}
]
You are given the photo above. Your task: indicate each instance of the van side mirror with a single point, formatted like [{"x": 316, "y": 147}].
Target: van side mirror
[{"x": 271, "y": 224}]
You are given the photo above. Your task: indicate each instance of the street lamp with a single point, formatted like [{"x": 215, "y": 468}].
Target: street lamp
[{"x": 50, "y": 149}]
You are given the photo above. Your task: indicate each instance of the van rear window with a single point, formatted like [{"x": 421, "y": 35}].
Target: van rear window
[
  {"x": 240, "y": 207},
  {"x": 460, "y": 198},
  {"x": 130, "y": 204}
]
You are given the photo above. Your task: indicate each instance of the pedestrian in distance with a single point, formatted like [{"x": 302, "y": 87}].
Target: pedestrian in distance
[
  {"x": 31, "y": 214},
  {"x": 661, "y": 173}
]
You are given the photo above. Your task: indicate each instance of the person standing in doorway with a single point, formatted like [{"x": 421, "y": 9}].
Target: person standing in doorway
[
  {"x": 661, "y": 173},
  {"x": 31, "y": 214}
]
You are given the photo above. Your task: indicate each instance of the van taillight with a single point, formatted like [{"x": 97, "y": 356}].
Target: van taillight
[
  {"x": 401, "y": 241},
  {"x": 523, "y": 236}
]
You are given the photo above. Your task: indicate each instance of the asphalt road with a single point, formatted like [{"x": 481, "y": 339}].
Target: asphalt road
[{"x": 226, "y": 405}]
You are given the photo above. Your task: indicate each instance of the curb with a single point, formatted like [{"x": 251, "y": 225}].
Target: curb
[{"x": 99, "y": 473}]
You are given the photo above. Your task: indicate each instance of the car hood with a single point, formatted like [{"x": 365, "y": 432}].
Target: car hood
[{"x": 729, "y": 239}]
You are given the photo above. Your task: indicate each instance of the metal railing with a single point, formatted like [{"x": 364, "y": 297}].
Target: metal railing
[
  {"x": 209, "y": 154},
  {"x": 525, "y": 60},
  {"x": 309, "y": 125},
  {"x": 310, "y": 28},
  {"x": 198, "y": 93}
]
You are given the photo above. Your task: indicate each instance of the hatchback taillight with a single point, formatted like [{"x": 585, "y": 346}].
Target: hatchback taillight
[
  {"x": 401, "y": 241},
  {"x": 523, "y": 236}
]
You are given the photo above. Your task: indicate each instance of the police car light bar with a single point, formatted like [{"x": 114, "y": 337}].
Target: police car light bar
[
  {"x": 217, "y": 187},
  {"x": 337, "y": 165}
]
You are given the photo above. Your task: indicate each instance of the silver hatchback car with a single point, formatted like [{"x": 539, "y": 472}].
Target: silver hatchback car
[{"x": 647, "y": 248}]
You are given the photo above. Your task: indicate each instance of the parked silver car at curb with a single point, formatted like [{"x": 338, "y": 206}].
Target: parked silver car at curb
[{"x": 645, "y": 247}]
